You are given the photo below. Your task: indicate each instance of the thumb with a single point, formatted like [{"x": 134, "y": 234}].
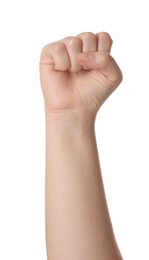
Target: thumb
[{"x": 103, "y": 62}]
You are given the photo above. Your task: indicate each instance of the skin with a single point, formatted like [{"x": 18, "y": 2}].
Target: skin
[{"x": 77, "y": 75}]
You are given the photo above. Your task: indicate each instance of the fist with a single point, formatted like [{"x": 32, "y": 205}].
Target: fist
[{"x": 78, "y": 72}]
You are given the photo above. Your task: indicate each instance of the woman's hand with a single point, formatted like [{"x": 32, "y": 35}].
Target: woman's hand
[{"x": 78, "y": 73}]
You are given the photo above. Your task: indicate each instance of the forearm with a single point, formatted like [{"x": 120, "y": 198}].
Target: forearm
[{"x": 78, "y": 225}]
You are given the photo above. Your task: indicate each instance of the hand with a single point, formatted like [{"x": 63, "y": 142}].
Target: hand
[{"x": 78, "y": 73}]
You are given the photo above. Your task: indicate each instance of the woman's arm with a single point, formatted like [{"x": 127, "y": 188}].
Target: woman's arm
[
  {"x": 78, "y": 225},
  {"x": 77, "y": 76}
]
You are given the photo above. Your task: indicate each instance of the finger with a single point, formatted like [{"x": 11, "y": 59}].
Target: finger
[
  {"x": 104, "y": 41},
  {"x": 56, "y": 55},
  {"x": 103, "y": 62},
  {"x": 89, "y": 41},
  {"x": 61, "y": 57},
  {"x": 74, "y": 46}
]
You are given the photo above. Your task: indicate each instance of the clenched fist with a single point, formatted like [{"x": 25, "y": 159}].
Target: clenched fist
[{"x": 78, "y": 72}]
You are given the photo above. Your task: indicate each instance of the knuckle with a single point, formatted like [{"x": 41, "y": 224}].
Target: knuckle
[
  {"x": 44, "y": 54},
  {"x": 104, "y": 56},
  {"x": 74, "y": 41},
  {"x": 45, "y": 51},
  {"x": 106, "y": 36},
  {"x": 44, "y": 48},
  {"x": 58, "y": 47},
  {"x": 51, "y": 49},
  {"x": 88, "y": 36}
]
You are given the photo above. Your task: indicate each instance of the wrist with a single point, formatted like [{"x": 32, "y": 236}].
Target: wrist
[{"x": 70, "y": 122}]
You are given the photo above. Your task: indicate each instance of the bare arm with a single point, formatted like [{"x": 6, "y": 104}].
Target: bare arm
[{"x": 78, "y": 225}]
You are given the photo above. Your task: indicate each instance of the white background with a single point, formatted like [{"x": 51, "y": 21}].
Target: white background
[{"x": 121, "y": 127}]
